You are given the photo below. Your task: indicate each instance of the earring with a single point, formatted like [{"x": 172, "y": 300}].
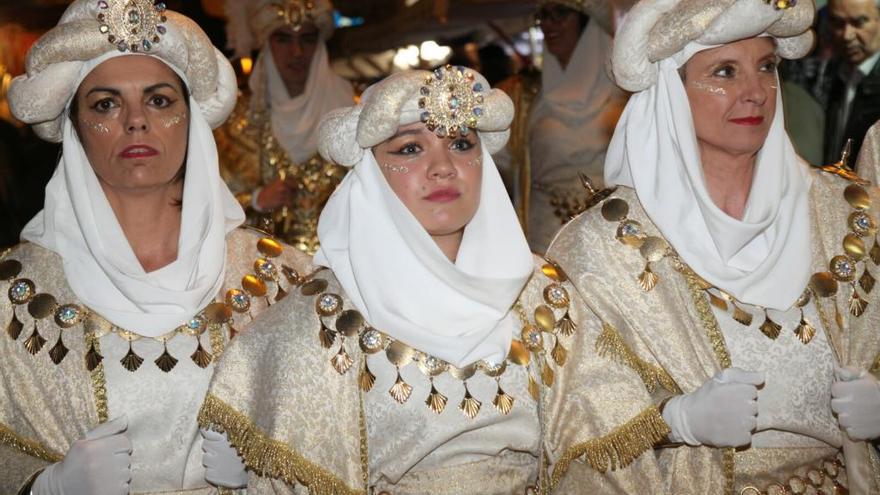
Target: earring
[{"x": 399, "y": 169}]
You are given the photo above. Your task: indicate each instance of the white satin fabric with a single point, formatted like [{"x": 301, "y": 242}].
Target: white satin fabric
[
  {"x": 295, "y": 120},
  {"x": 396, "y": 275},
  {"x": 763, "y": 259},
  {"x": 78, "y": 223}
]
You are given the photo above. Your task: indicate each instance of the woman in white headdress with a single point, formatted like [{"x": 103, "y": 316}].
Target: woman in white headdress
[
  {"x": 405, "y": 364},
  {"x": 128, "y": 284},
  {"x": 734, "y": 279},
  {"x": 269, "y": 147}
]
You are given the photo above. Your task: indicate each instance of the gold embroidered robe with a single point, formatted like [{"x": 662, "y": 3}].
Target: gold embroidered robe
[
  {"x": 251, "y": 157},
  {"x": 301, "y": 425},
  {"x": 45, "y": 407},
  {"x": 670, "y": 337}
]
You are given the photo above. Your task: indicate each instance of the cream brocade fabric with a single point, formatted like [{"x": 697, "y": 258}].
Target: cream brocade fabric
[
  {"x": 251, "y": 157},
  {"x": 44, "y": 407},
  {"x": 670, "y": 336},
  {"x": 304, "y": 428}
]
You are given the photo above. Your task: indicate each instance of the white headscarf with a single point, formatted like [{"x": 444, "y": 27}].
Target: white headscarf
[
  {"x": 396, "y": 275},
  {"x": 571, "y": 123},
  {"x": 294, "y": 119},
  {"x": 78, "y": 223},
  {"x": 763, "y": 259}
]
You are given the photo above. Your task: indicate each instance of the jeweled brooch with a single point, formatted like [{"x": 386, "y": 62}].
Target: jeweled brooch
[
  {"x": 132, "y": 25},
  {"x": 295, "y": 12},
  {"x": 451, "y": 101}
]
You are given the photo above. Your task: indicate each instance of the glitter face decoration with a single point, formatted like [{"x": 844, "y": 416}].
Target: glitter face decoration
[
  {"x": 98, "y": 127},
  {"x": 715, "y": 90},
  {"x": 476, "y": 162},
  {"x": 174, "y": 120},
  {"x": 397, "y": 169}
]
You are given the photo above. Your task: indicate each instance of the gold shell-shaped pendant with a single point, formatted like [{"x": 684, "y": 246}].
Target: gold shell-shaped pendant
[
  {"x": 166, "y": 362},
  {"x": 326, "y": 336},
  {"x": 401, "y": 390},
  {"x": 566, "y": 325},
  {"x": 559, "y": 354},
  {"x": 533, "y": 387},
  {"x": 58, "y": 351},
  {"x": 436, "y": 401},
  {"x": 14, "y": 328},
  {"x": 770, "y": 328},
  {"x": 857, "y": 305},
  {"x": 547, "y": 374},
  {"x": 502, "y": 401},
  {"x": 341, "y": 361},
  {"x": 131, "y": 361},
  {"x": 201, "y": 357},
  {"x": 93, "y": 358},
  {"x": 469, "y": 406},
  {"x": 366, "y": 378},
  {"x": 742, "y": 316},
  {"x": 867, "y": 281},
  {"x": 35, "y": 342},
  {"x": 874, "y": 253},
  {"x": 805, "y": 332},
  {"x": 648, "y": 279}
]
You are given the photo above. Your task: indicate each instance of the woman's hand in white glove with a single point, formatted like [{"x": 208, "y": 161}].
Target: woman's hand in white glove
[
  {"x": 723, "y": 412},
  {"x": 855, "y": 398},
  {"x": 97, "y": 464},
  {"x": 223, "y": 466}
]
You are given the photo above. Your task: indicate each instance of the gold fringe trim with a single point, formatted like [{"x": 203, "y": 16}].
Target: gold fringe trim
[
  {"x": 610, "y": 344},
  {"x": 99, "y": 381},
  {"x": 268, "y": 457},
  {"x": 618, "y": 448},
  {"x": 29, "y": 447},
  {"x": 218, "y": 341}
]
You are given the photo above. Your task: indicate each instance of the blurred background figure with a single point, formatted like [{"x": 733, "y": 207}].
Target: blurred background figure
[
  {"x": 853, "y": 103},
  {"x": 268, "y": 147},
  {"x": 565, "y": 116}
]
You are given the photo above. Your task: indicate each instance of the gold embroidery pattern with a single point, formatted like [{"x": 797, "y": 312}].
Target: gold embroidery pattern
[
  {"x": 269, "y": 457},
  {"x": 618, "y": 448},
  {"x": 611, "y": 344},
  {"x": 29, "y": 447},
  {"x": 99, "y": 382}
]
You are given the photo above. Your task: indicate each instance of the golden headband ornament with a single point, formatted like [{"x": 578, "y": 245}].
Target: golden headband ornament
[
  {"x": 450, "y": 100},
  {"x": 781, "y": 4},
  {"x": 295, "y": 12},
  {"x": 132, "y": 24}
]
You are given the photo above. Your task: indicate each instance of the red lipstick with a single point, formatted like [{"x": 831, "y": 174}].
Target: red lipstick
[
  {"x": 443, "y": 195},
  {"x": 748, "y": 120},
  {"x": 138, "y": 151}
]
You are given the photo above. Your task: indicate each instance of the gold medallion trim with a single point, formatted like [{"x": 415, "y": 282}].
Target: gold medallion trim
[
  {"x": 618, "y": 448},
  {"x": 27, "y": 446},
  {"x": 268, "y": 457},
  {"x": 611, "y": 345}
]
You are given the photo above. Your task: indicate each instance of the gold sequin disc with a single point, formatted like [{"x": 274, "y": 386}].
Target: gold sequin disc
[
  {"x": 9, "y": 269},
  {"x": 42, "y": 305},
  {"x": 615, "y": 210},
  {"x": 349, "y": 323},
  {"x": 823, "y": 284},
  {"x": 269, "y": 248},
  {"x": 857, "y": 197}
]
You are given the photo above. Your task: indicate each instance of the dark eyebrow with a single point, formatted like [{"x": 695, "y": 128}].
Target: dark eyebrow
[
  {"x": 406, "y": 132},
  {"x": 148, "y": 90}
]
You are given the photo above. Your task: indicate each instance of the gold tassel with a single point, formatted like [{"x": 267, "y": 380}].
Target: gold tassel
[
  {"x": 93, "y": 358},
  {"x": 857, "y": 305},
  {"x": 366, "y": 378},
  {"x": 469, "y": 406},
  {"x": 566, "y": 325},
  {"x": 166, "y": 362},
  {"x": 131, "y": 361},
  {"x": 875, "y": 252},
  {"x": 648, "y": 279},
  {"x": 342, "y": 361},
  {"x": 741, "y": 316},
  {"x": 770, "y": 328},
  {"x": 502, "y": 401},
  {"x": 559, "y": 354},
  {"x": 547, "y": 374},
  {"x": 326, "y": 336},
  {"x": 15, "y": 327},
  {"x": 35, "y": 342},
  {"x": 805, "y": 332},
  {"x": 201, "y": 357},
  {"x": 401, "y": 390},
  {"x": 435, "y": 401},
  {"x": 533, "y": 387},
  {"x": 867, "y": 281},
  {"x": 281, "y": 294},
  {"x": 58, "y": 351}
]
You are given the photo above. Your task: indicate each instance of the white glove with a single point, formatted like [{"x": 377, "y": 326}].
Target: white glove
[
  {"x": 97, "y": 464},
  {"x": 223, "y": 466},
  {"x": 723, "y": 412},
  {"x": 855, "y": 398}
]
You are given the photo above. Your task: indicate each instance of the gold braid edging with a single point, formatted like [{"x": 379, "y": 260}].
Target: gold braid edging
[
  {"x": 618, "y": 448},
  {"x": 716, "y": 338},
  {"x": 610, "y": 344},
  {"x": 29, "y": 447},
  {"x": 268, "y": 457},
  {"x": 99, "y": 381}
]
